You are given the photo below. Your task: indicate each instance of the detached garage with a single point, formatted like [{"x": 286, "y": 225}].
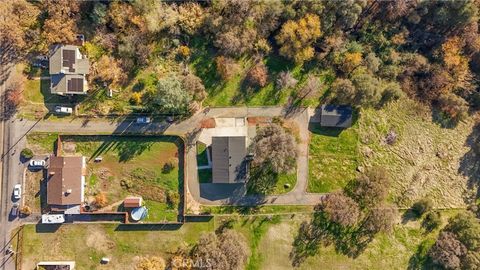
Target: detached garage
[{"x": 336, "y": 116}]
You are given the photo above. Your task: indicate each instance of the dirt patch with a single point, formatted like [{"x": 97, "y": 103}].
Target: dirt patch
[
  {"x": 69, "y": 148},
  {"x": 32, "y": 192},
  {"x": 259, "y": 120},
  {"x": 97, "y": 240},
  {"x": 207, "y": 123}
]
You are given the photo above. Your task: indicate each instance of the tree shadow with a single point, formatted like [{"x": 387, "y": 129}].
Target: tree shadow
[
  {"x": 320, "y": 231},
  {"x": 470, "y": 163},
  {"x": 420, "y": 260}
]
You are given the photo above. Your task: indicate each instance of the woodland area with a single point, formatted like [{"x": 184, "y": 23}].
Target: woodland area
[{"x": 357, "y": 52}]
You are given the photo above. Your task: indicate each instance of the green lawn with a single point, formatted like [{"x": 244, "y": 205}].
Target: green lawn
[
  {"x": 285, "y": 179},
  {"x": 202, "y": 158},
  {"x": 42, "y": 143},
  {"x": 333, "y": 158},
  {"x": 160, "y": 212},
  {"x": 205, "y": 176}
]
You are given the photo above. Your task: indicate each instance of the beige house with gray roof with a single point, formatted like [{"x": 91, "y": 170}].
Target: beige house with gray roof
[{"x": 68, "y": 69}]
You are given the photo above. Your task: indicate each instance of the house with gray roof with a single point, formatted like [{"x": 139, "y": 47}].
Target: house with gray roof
[
  {"x": 336, "y": 116},
  {"x": 229, "y": 163},
  {"x": 68, "y": 69}
]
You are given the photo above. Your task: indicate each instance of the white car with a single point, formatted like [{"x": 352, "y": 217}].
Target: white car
[
  {"x": 65, "y": 110},
  {"x": 37, "y": 163},
  {"x": 143, "y": 120},
  {"x": 17, "y": 191}
]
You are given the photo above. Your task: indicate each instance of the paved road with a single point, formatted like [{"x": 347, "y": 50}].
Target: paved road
[{"x": 11, "y": 173}]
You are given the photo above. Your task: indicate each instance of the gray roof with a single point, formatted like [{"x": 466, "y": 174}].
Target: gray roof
[
  {"x": 68, "y": 67},
  {"x": 336, "y": 116},
  {"x": 68, "y": 84},
  {"x": 228, "y": 159},
  {"x": 67, "y": 59}
]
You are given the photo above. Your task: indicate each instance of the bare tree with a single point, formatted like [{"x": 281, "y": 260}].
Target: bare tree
[
  {"x": 275, "y": 146},
  {"x": 227, "y": 251},
  {"x": 340, "y": 209},
  {"x": 285, "y": 80}
]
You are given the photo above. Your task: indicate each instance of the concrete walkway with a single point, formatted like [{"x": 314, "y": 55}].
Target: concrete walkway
[{"x": 189, "y": 129}]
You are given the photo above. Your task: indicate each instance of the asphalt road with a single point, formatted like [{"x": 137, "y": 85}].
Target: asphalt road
[{"x": 11, "y": 173}]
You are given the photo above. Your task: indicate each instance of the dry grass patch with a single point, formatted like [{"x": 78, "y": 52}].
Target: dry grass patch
[{"x": 425, "y": 159}]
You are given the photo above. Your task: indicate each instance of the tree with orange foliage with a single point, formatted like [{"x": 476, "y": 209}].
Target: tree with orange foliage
[
  {"x": 297, "y": 37},
  {"x": 258, "y": 75},
  {"x": 61, "y": 23},
  {"x": 351, "y": 61},
  {"x": 108, "y": 70},
  {"x": 226, "y": 67},
  {"x": 18, "y": 17},
  {"x": 101, "y": 200},
  {"x": 457, "y": 63}
]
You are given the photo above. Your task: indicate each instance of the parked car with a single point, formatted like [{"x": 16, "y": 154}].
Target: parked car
[
  {"x": 15, "y": 210},
  {"x": 65, "y": 110},
  {"x": 143, "y": 120},
  {"x": 42, "y": 57},
  {"x": 39, "y": 65},
  {"x": 37, "y": 163},
  {"x": 17, "y": 191}
]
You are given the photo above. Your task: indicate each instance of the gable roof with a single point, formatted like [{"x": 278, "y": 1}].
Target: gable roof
[
  {"x": 336, "y": 116},
  {"x": 68, "y": 67},
  {"x": 228, "y": 159},
  {"x": 66, "y": 178}
]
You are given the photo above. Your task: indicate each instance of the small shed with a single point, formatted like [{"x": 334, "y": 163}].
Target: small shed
[
  {"x": 132, "y": 202},
  {"x": 336, "y": 116}
]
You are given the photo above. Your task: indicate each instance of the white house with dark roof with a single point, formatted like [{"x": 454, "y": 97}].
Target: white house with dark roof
[{"x": 68, "y": 69}]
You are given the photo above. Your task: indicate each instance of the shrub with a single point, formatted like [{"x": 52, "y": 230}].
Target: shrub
[
  {"x": 173, "y": 198},
  {"x": 184, "y": 51},
  {"x": 127, "y": 184},
  {"x": 101, "y": 200},
  {"x": 432, "y": 220},
  {"x": 151, "y": 263},
  {"x": 136, "y": 98},
  {"x": 421, "y": 207},
  {"x": 26, "y": 210},
  {"x": 27, "y": 153},
  {"x": 226, "y": 67},
  {"x": 285, "y": 79},
  {"x": 258, "y": 75},
  {"x": 168, "y": 167},
  {"x": 455, "y": 107},
  {"x": 392, "y": 92},
  {"x": 344, "y": 91}
]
